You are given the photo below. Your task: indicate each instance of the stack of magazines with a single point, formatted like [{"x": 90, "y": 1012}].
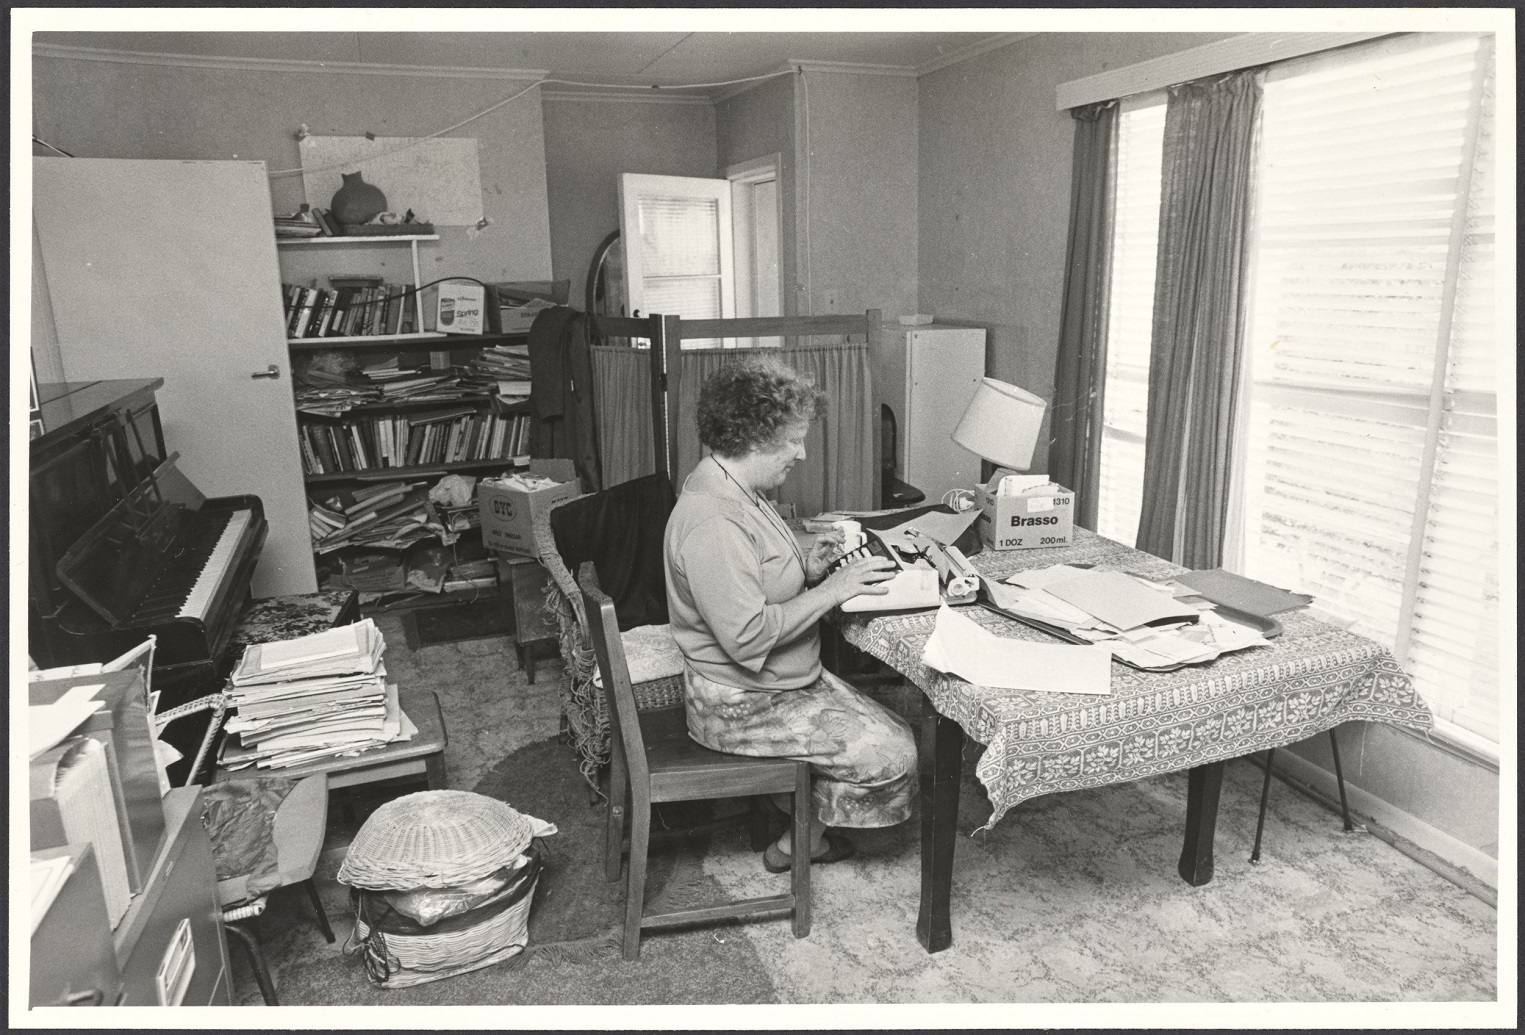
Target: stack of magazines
[{"x": 311, "y": 698}]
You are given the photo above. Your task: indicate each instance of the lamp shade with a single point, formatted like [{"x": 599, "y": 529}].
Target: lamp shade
[{"x": 1001, "y": 424}]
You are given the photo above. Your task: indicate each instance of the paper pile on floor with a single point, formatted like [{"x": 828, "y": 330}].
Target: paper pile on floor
[{"x": 313, "y": 697}]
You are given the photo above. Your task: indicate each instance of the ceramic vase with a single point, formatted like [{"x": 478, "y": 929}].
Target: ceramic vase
[{"x": 357, "y": 202}]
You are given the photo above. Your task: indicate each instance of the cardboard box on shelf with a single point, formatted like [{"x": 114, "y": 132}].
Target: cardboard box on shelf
[
  {"x": 508, "y": 513},
  {"x": 1042, "y": 516}
]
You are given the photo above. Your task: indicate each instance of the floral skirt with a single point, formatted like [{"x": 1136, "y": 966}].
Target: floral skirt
[{"x": 862, "y": 755}]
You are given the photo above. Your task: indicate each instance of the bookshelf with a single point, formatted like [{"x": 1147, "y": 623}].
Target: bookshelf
[{"x": 370, "y": 431}]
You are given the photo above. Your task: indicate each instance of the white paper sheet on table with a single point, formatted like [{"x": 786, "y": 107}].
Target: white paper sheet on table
[
  {"x": 960, "y": 646},
  {"x": 1120, "y": 599}
]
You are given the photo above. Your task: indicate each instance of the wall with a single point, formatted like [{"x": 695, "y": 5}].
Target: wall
[
  {"x": 755, "y": 123},
  {"x": 589, "y": 141},
  {"x": 993, "y": 199},
  {"x": 107, "y": 109},
  {"x": 857, "y": 176},
  {"x": 993, "y": 213}
]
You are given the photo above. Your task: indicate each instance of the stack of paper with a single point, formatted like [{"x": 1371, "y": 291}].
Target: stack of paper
[
  {"x": 310, "y": 698},
  {"x": 1140, "y": 622}
]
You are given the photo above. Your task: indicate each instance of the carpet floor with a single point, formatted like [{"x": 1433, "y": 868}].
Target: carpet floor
[{"x": 1071, "y": 899}]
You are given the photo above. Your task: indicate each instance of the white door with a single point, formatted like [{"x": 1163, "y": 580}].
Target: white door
[
  {"x": 168, "y": 269},
  {"x": 676, "y": 232}
]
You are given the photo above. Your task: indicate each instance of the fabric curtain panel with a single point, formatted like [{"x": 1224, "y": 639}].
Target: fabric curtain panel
[
  {"x": 838, "y": 470},
  {"x": 622, "y": 398},
  {"x": 1074, "y": 450},
  {"x": 1198, "y": 327}
]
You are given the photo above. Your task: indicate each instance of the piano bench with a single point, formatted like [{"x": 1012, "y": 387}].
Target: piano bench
[{"x": 284, "y": 618}]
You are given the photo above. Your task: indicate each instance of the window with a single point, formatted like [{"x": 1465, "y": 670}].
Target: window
[
  {"x": 1367, "y": 441},
  {"x": 1140, "y": 138},
  {"x": 676, "y": 232}
]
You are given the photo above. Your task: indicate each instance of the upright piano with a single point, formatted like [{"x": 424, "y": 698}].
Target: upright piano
[{"x": 122, "y": 545}]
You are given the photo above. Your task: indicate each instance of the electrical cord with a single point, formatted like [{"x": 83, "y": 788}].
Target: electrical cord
[{"x": 960, "y": 500}]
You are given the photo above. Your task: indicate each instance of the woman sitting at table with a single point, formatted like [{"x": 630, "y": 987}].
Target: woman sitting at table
[{"x": 744, "y": 600}]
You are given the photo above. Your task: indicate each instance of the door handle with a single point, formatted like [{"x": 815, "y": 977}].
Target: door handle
[{"x": 272, "y": 372}]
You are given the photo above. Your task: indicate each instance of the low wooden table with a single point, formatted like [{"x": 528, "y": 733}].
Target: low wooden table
[{"x": 423, "y": 756}]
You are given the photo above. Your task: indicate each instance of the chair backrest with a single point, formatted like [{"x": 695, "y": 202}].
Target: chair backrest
[
  {"x": 620, "y": 530},
  {"x": 619, "y": 697}
]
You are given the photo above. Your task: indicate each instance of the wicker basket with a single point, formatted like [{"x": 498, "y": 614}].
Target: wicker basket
[
  {"x": 434, "y": 839},
  {"x": 399, "y": 952}
]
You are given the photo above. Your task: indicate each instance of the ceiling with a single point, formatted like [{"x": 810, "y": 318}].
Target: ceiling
[{"x": 613, "y": 57}]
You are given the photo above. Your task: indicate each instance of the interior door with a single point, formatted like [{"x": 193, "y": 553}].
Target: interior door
[
  {"x": 168, "y": 269},
  {"x": 676, "y": 232}
]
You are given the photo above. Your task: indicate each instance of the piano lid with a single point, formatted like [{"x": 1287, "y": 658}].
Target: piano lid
[{"x": 111, "y": 566}]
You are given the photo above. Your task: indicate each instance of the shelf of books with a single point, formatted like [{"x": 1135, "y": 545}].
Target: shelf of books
[{"x": 412, "y": 443}]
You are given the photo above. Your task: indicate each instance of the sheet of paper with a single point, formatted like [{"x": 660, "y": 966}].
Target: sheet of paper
[
  {"x": 1243, "y": 594},
  {"x": 1039, "y": 606},
  {"x": 960, "y": 646},
  {"x": 1119, "y": 599},
  {"x": 1039, "y": 578},
  {"x": 944, "y": 526},
  {"x": 910, "y": 588},
  {"x": 48, "y": 724}
]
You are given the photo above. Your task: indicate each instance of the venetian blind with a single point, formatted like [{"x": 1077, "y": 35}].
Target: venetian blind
[{"x": 1369, "y": 438}]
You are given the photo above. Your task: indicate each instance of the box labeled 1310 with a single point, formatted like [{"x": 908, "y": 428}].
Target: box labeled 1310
[{"x": 1043, "y": 516}]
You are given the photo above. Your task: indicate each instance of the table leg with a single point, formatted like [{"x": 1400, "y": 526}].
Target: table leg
[
  {"x": 941, "y": 768},
  {"x": 1202, "y": 785}
]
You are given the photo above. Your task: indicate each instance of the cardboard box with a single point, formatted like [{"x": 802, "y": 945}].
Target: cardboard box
[
  {"x": 462, "y": 308},
  {"x": 1040, "y": 517},
  {"x": 508, "y": 515}
]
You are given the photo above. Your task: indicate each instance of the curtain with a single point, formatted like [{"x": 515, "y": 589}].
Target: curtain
[
  {"x": 838, "y": 470},
  {"x": 622, "y": 395},
  {"x": 1074, "y": 450},
  {"x": 1198, "y": 327}
]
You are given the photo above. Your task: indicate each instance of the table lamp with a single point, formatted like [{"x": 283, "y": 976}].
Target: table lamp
[{"x": 1001, "y": 424}]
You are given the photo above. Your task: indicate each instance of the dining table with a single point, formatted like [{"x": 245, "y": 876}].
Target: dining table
[{"x": 1309, "y": 677}]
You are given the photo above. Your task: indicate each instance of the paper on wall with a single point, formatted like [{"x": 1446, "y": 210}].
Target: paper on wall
[{"x": 960, "y": 646}]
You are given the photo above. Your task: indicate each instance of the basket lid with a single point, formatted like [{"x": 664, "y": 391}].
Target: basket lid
[{"x": 434, "y": 839}]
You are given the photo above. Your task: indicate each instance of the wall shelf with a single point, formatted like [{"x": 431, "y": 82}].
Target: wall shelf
[
  {"x": 362, "y": 239},
  {"x": 362, "y": 341},
  {"x": 391, "y": 474}
]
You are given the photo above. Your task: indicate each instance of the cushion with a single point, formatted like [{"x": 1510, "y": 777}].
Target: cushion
[{"x": 651, "y": 653}]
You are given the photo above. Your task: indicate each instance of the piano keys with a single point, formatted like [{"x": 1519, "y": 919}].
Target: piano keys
[{"x": 123, "y": 545}]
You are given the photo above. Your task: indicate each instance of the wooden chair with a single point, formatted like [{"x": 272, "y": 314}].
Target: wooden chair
[
  {"x": 654, "y": 760},
  {"x": 295, "y": 836}
]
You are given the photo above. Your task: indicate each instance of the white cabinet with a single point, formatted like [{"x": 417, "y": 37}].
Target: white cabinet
[
  {"x": 926, "y": 376},
  {"x": 168, "y": 269}
]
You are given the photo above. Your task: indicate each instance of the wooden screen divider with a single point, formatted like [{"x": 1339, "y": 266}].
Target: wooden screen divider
[{"x": 667, "y": 334}]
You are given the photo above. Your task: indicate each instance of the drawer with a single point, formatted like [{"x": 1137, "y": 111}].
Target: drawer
[{"x": 176, "y": 917}]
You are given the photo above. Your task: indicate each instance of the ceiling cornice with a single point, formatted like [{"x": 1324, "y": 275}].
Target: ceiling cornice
[
  {"x": 254, "y": 64},
  {"x": 973, "y": 50}
]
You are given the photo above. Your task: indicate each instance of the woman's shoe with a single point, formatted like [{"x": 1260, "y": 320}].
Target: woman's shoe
[{"x": 833, "y": 849}]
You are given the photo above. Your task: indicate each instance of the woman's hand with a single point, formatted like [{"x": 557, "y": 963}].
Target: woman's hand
[
  {"x": 827, "y": 548},
  {"x": 861, "y": 576}
]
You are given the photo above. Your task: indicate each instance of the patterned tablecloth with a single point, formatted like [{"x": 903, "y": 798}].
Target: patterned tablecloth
[{"x": 1309, "y": 679}]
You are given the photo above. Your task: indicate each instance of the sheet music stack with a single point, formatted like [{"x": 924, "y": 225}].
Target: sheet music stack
[{"x": 311, "y": 698}]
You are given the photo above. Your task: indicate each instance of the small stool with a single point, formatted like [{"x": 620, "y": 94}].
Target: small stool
[{"x": 285, "y": 618}]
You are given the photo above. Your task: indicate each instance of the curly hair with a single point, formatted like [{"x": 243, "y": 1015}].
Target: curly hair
[{"x": 747, "y": 405}]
